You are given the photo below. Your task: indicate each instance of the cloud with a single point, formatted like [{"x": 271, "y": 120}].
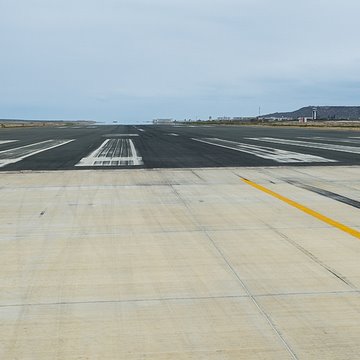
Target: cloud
[{"x": 138, "y": 58}]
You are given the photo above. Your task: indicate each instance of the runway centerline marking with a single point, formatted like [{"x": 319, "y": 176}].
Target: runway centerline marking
[
  {"x": 308, "y": 144},
  {"x": 173, "y": 134},
  {"x": 139, "y": 129},
  {"x": 119, "y": 135},
  {"x": 304, "y": 209},
  {"x": 113, "y": 152},
  {"x": 19, "y": 153},
  {"x": 278, "y": 155}
]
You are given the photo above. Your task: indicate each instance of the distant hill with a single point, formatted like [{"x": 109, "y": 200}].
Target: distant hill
[
  {"x": 323, "y": 112},
  {"x": 16, "y": 123}
]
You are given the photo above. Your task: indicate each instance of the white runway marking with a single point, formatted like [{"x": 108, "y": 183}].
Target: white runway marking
[
  {"x": 173, "y": 134},
  {"x": 308, "y": 144},
  {"x": 7, "y": 141},
  {"x": 350, "y": 140},
  {"x": 139, "y": 129},
  {"x": 113, "y": 152},
  {"x": 281, "y": 156},
  {"x": 119, "y": 135},
  {"x": 19, "y": 153}
]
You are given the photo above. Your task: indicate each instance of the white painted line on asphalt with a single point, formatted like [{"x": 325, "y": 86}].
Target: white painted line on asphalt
[
  {"x": 119, "y": 135},
  {"x": 7, "y": 141},
  {"x": 19, "y": 153},
  {"x": 139, "y": 129},
  {"x": 308, "y": 144},
  {"x": 349, "y": 140},
  {"x": 173, "y": 134},
  {"x": 281, "y": 156},
  {"x": 113, "y": 152}
]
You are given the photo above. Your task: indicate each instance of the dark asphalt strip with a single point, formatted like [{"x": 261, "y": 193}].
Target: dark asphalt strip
[{"x": 328, "y": 194}]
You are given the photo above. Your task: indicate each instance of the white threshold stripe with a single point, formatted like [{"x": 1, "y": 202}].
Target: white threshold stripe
[
  {"x": 19, "y": 153},
  {"x": 7, "y": 141},
  {"x": 278, "y": 155},
  {"x": 113, "y": 152},
  {"x": 308, "y": 144}
]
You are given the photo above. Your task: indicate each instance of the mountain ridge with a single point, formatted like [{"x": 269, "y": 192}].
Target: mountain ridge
[{"x": 323, "y": 113}]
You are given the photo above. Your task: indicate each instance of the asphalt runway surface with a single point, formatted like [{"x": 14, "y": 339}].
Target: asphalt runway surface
[{"x": 174, "y": 146}]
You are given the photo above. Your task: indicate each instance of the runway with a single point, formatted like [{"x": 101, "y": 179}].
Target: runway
[{"x": 176, "y": 146}]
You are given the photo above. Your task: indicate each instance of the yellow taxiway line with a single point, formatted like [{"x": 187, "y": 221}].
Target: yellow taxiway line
[{"x": 305, "y": 209}]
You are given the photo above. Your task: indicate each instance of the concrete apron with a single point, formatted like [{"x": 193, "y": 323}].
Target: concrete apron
[{"x": 180, "y": 264}]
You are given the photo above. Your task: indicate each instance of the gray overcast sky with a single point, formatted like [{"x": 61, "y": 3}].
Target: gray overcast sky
[{"x": 134, "y": 60}]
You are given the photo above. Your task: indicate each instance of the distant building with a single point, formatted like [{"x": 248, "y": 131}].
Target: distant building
[
  {"x": 224, "y": 118},
  {"x": 304, "y": 120},
  {"x": 242, "y": 118},
  {"x": 163, "y": 121},
  {"x": 275, "y": 118}
]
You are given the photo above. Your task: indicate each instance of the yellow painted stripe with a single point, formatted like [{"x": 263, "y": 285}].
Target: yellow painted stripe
[{"x": 305, "y": 209}]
